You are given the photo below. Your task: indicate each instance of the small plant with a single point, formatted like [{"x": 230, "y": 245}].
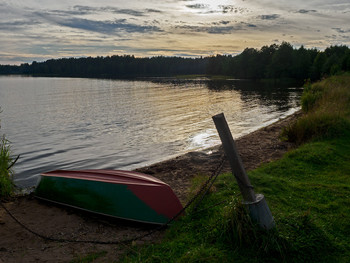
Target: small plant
[{"x": 6, "y": 173}]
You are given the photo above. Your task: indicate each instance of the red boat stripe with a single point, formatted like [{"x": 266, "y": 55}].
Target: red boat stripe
[{"x": 161, "y": 199}]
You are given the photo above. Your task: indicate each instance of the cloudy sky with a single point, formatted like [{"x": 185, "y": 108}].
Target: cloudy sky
[{"x": 43, "y": 29}]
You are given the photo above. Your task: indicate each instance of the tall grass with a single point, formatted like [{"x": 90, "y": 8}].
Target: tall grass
[
  {"x": 326, "y": 106},
  {"x": 6, "y": 173},
  {"x": 6, "y": 183}
]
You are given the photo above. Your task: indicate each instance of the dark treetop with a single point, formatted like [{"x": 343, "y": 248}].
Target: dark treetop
[{"x": 274, "y": 61}]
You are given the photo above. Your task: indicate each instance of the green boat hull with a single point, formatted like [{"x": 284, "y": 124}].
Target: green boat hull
[{"x": 111, "y": 199}]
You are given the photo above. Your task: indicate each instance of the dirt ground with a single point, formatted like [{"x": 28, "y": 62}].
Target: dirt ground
[{"x": 19, "y": 245}]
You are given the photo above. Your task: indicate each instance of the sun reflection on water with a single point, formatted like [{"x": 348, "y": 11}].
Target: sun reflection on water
[{"x": 63, "y": 123}]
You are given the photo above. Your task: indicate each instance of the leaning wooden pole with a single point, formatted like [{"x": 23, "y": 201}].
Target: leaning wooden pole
[{"x": 256, "y": 203}]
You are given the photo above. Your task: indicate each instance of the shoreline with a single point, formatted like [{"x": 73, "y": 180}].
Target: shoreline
[
  {"x": 18, "y": 245},
  {"x": 217, "y": 146},
  {"x": 260, "y": 146}
]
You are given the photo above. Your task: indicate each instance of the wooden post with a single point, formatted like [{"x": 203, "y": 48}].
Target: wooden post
[
  {"x": 258, "y": 209},
  {"x": 233, "y": 156}
]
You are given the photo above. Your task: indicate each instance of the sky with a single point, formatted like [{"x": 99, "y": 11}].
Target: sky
[{"x": 38, "y": 30}]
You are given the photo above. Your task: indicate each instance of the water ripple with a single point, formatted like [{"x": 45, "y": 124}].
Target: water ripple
[{"x": 63, "y": 123}]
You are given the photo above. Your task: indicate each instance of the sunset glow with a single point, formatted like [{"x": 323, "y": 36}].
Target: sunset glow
[{"x": 40, "y": 30}]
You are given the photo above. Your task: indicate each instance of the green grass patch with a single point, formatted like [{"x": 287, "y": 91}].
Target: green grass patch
[
  {"x": 308, "y": 192},
  {"x": 312, "y": 180}
]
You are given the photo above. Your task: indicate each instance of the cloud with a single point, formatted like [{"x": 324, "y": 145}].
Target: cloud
[
  {"x": 215, "y": 28},
  {"x": 131, "y": 12},
  {"x": 75, "y": 11},
  {"x": 110, "y": 9},
  {"x": 222, "y": 22},
  {"x": 269, "y": 17},
  {"x": 232, "y": 9},
  {"x": 18, "y": 24},
  {"x": 106, "y": 27},
  {"x": 305, "y": 11},
  {"x": 64, "y": 28},
  {"x": 197, "y": 6},
  {"x": 17, "y": 59},
  {"x": 341, "y": 31},
  {"x": 153, "y": 11},
  {"x": 87, "y": 10},
  {"x": 224, "y": 9},
  {"x": 220, "y": 29},
  {"x": 82, "y": 10},
  {"x": 206, "y": 29}
]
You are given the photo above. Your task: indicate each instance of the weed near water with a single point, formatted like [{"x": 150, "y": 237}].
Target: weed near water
[
  {"x": 6, "y": 173},
  {"x": 6, "y": 183}
]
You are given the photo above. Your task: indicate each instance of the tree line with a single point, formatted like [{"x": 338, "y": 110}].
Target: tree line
[
  {"x": 274, "y": 61},
  {"x": 283, "y": 61}
]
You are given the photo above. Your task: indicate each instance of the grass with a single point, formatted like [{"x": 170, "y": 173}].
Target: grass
[
  {"x": 311, "y": 182},
  {"x": 6, "y": 182},
  {"x": 327, "y": 108},
  {"x": 308, "y": 192}
]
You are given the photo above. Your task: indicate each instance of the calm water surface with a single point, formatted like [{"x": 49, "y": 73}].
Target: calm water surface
[{"x": 71, "y": 123}]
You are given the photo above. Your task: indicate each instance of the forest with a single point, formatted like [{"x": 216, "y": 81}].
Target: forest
[{"x": 270, "y": 62}]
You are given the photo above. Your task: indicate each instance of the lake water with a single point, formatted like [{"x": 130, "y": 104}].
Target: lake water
[{"x": 72, "y": 123}]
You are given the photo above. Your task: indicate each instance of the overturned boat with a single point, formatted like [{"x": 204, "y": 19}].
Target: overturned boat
[{"x": 121, "y": 194}]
